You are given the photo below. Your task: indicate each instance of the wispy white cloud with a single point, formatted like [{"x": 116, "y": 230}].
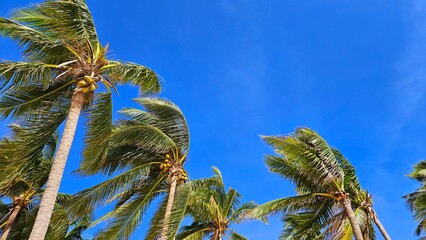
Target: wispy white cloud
[{"x": 410, "y": 87}]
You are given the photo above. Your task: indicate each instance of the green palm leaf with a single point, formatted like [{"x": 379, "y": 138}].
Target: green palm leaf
[
  {"x": 195, "y": 231},
  {"x": 99, "y": 128},
  {"x": 134, "y": 74},
  {"x": 24, "y": 74},
  {"x": 99, "y": 194},
  {"x": 18, "y": 101},
  {"x": 68, "y": 19}
]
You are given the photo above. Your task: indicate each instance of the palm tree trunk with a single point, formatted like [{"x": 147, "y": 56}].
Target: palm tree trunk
[
  {"x": 367, "y": 232},
  {"x": 352, "y": 219},
  {"x": 217, "y": 235},
  {"x": 52, "y": 186},
  {"x": 380, "y": 227},
  {"x": 169, "y": 206},
  {"x": 10, "y": 221}
]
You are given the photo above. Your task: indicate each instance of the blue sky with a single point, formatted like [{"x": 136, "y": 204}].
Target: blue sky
[{"x": 351, "y": 70}]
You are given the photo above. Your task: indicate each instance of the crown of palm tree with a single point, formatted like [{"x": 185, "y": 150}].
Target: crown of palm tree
[
  {"x": 147, "y": 150},
  {"x": 324, "y": 181},
  {"x": 213, "y": 210},
  {"x": 25, "y": 187},
  {"x": 417, "y": 200},
  {"x": 62, "y": 55}
]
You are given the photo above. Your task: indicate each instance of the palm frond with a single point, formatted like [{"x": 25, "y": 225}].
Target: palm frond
[
  {"x": 351, "y": 182},
  {"x": 178, "y": 213},
  {"x": 50, "y": 147},
  {"x": 27, "y": 101},
  {"x": 195, "y": 231},
  {"x": 129, "y": 215},
  {"x": 134, "y": 74},
  {"x": 31, "y": 40},
  {"x": 419, "y": 171},
  {"x": 143, "y": 136},
  {"x": 311, "y": 153},
  {"x": 66, "y": 19},
  {"x": 216, "y": 181},
  {"x": 78, "y": 226},
  {"x": 304, "y": 180},
  {"x": 284, "y": 205},
  {"x": 290, "y": 229},
  {"x": 156, "y": 223},
  {"x": 241, "y": 213},
  {"x": 230, "y": 202},
  {"x": 99, "y": 194},
  {"x": 212, "y": 208},
  {"x": 171, "y": 120},
  {"x": 29, "y": 141},
  {"x": 99, "y": 128},
  {"x": 129, "y": 155},
  {"x": 24, "y": 74},
  {"x": 314, "y": 218},
  {"x": 237, "y": 236},
  {"x": 417, "y": 199},
  {"x": 59, "y": 224}
]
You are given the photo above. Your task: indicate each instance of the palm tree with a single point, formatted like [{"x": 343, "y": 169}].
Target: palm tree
[
  {"x": 214, "y": 210},
  {"x": 417, "y": 200},
  {"x": 327, "y": 186},
  {"x": 365, "y": 203},
  {"x": 148, "y": 150},
  {"x": 24, "y": 188},
  {"x": 61, "y": 227},
  {"x": 64, "y": 64}
]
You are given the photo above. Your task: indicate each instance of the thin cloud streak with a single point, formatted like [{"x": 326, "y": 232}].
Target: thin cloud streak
[{"x": 410, "y": 87}]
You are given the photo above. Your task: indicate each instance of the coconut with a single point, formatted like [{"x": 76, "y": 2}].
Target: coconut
[
  {"x": 82, "y": 83},
  {"x": 85, "y": 90},
  {"x": 88, "y": 79}
]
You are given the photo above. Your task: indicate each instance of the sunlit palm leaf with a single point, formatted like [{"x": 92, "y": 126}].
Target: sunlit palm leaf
[
  {"x": 99, "y": 128},
  {"x": 19, "y": 101},
  {"x": 135, "y": 74}
]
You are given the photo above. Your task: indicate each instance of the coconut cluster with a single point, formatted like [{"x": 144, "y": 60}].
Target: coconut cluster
[
  {"x": 174, "y": 169},
  {"x": 21, "y": 200},
  {"x": 182, "y": 176},
  {"x": 88, "y": 85}
]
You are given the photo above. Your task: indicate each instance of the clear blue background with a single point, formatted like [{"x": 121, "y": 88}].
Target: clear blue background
[{"x": 354, "y": 71}]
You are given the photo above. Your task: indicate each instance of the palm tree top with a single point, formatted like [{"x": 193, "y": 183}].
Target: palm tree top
[
  {"x": 152, "y": 146},
  {"x": 326, "y": 184},
  {"x": 62, "y": 56},
  {"x": 307, "y": 153},
  {"x": 62, "y": 52},
  {"x": 158, "y": 132},
  {"x": 214, "y": 210}
]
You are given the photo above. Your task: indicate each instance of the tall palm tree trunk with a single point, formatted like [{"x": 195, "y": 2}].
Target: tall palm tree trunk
[
  {"x": 169, "y": 207},
  {"x": 352, "y": 219},
  {"x": 10, "y": 221},
  {"x": 52, "y": 186},
  {"x": 380, "y": 227}
]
